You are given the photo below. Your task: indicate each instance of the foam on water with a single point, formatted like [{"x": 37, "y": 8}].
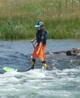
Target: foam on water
[
  {"x": 36, "y": 84},
  {"x": 63, "y": 81}
]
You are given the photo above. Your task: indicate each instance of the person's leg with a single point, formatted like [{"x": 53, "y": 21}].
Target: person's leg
[
  {"x": 44, "y": 64},
  {"x": 34, "y": 57},
  {"x": 41, "y": 56},
  {"x": 33, "y": 62}
]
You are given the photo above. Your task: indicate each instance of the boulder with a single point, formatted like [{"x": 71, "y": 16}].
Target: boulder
[
  {"x": 78, "y": 54},
  {"x": 73, "y": 52}
]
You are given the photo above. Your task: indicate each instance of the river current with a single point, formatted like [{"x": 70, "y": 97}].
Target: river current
[{"x": 63, "y": 81}]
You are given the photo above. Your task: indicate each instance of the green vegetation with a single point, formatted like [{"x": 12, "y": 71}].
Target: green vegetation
[{"x": 18, "y": 18}]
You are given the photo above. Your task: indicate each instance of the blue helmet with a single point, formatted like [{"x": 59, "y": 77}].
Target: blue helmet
[{"x": 39, "y": 23}]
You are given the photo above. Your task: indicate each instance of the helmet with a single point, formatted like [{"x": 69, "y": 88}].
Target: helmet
[{"x": 39, "y": 23}]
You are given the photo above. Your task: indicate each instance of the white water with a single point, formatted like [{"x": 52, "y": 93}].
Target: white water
[
  {"x": 36, "y": 84},
  {"x": 63, "y": 81}
]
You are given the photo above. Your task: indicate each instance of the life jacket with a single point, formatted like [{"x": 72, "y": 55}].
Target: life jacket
[{"x": 41, "y": 36}]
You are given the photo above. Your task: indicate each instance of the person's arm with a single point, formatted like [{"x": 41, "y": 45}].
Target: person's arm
[
  {"x": 39, "y": 47},
  {"x": 33, "y": 39}
]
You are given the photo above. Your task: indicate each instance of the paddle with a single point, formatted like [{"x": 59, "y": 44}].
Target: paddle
[
  {"x": 37, "y": 55},
  {"x": 47, "y": 62},
  {"x": 36, "y": 51}
]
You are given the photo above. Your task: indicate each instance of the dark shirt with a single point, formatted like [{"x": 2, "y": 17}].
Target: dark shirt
[{"x": 41, "y": 36}]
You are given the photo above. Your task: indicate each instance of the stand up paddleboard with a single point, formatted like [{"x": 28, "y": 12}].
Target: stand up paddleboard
[{"x": 8, "y": 69}]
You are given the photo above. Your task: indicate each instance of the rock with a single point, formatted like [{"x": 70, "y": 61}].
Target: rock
[
  {"x": 78, "y": 54},
  {"x": 73, "y": 52},
  {"x": 68, "y": 52}
]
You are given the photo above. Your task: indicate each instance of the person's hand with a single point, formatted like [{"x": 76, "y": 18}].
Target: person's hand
[
  {"x": 37, "y": 52},
  {"x": 32, "y": 40}
]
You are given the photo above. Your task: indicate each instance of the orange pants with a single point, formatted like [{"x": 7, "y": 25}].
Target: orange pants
[{"x": 41, "y": 52}]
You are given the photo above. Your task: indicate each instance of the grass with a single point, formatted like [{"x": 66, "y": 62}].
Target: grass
[{"x": 61, "y": 19}]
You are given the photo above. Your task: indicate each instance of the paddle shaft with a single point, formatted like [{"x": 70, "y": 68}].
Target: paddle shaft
[
  {"x": 47, "y": 62},
  {"x": 36, "y": 51}
]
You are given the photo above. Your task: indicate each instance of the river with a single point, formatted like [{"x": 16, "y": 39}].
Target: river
[{"x": 63, "y": 81}]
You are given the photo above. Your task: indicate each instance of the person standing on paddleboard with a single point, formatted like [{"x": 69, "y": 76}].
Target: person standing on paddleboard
[{"x": 39, "y": 50}]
